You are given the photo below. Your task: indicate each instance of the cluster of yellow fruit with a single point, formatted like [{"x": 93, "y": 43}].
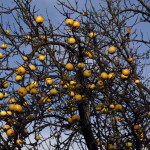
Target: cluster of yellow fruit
[{"x": 75, "y": 118}]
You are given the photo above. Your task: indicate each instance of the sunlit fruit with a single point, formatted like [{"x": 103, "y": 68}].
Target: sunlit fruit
[
  {"x": 32, "y": 67},
  {"x": 1, "y": 95},
  {"x": 76, "y": 24},
  {"x": 100, "y": 83},
  {"x": 90, "y": 54},
  {"x": 111, "y": 50},
  {"x": 80, "y": 65},
  {"x": 103, "y": 110},
  {"x": 5, "y": 95},
  {"x": 111, "y": 106},
  {"x": 87, "y": 73},
  {"x": 10, "y": 132},
  {"x": 34, "y": 84},
  {"x": 130, "y": 59},
  {"x": 84, "y": 14},
  {"x": 6, "y": 127},
  {"x": 69, "y": 66},
  {"x": 8, "y": 113},
  {"x": 104, "y": 75},
  {"x": 49, "y": 81},
  {"x": 45, "y": 38},
  {"x": 111, "y": 76},
  {"x": 39, "y": 19},
  {"x": 5, "y": 84},
  {"x": 118, "y": 107},
  {"x": 77, "y": 98},
  {"x": 75, "y": 118},
  {"x": 71, "y": 93},
  {"x": 18, "y": 78},
  {"x": 22, "y": 91},
  {"x": 149, "y": 114},
  {"x": 7, "y": 32},
  {"x": 120, "y": 119},
  {"x": 128, "y": 144},
  {"x": 1, "y": 55},
  {"x": 17, "y": 108},
  {"x": 18, "y": 141},
  {"x": 73, "y": 82},
  {"x": 3, "y": 113},
  {"x": 123, "y": 76},
  {"x": 137, "y": 81},
  {"x": 53, "y": 92},
  {"x": 91, "y": 86},
  {"x": 126, "y": 72},
  {"x": 3, "y": 46},
  {"x": 136, "y": 127},
  {"x": 69, "y": 22},
  {"x": 33, "y": 91},
  {"x": 70, "y": 121},
  {"x": 42, "y": 58},
  {"x": 92, "y": 35},
  {"x": 37, "y": 137},
  {"x": 11, "y": 106},
  {"x": 20, "y": 71},
  {"x": 71, "y": 40}
]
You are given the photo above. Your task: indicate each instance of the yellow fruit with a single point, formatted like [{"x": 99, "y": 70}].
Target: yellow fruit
[
  {"x": 126, "y": 72},
  {"x": 77, "y": 98},
  {"x": 49, "y": 81},
  {"x": 104, "y": 75},
  {"x": 33, "y": 91},
  {"x": 118, "y": 107},
  {"x": 71, "y": 40},
  {"x": 75, "y": 118},
  {"x": 84, "y": 14},
  {"x": 34, "y": 84},
  {"x": 69, "y": 22},
  {"x": 28, "y": 38},
  {"x": 5, "y": 95},
  {"x": 49, "y": 109},
  {"x": 103, "y": 110},
  {"x": 3, "y": 113},
  {"x": 10, "y": 132},
  {"x": 42, "y": 58},
  {"x": 18, "y": 141},
  {"x": 111, "y": 50},
  {"x": 87, "y": 73},
  {"x": 136, "y": 127},
  {"x": 21, "y": 70},
  {"x": 73, "y": 82},
  {"x": 111, "y": 76},
  {"x": 32, "y": 67},
  {"x": 22, "y": 91},
  {"x": 80, "y": 65},
  {"x": 149, "y": 114},
  {"x": 3, "y": 46},
  {"x": 76, "y": 24},
  {"x": 53, "y": 92},
  {"x": 45, "y": 38},
  {"x": 137, "y": 81},
  {"x": 9, "y": 113},
  {"x": 128, "y": 144},
  {"x": 71, "y": 93},
  {"x": 91, "y": 86},
  {"x": 18, "y": 78},
  {"x": 112, "y": 106},
  {"x": 70, "y": 121},
  {"x": 17, "y": 108},
  {"x": 7, "y": 32},
  {"x": 100, "y": 83},
  {"x": 120, "y": 119},
  {"x": 5, "y": 84},
  {"x": 1, "y": 95},
  {"x": 6, "y": 127},
  {"x": 11, "y": 106},
  {"x": 123, "y": 76},
  {"x": 69, "y": 30},
  {"x": 91, "y": 34},
  {"x": 1, "y": 55},
  {"x": 37, "y": 137},
  {"x": 69, "y": 66},
  {"x": 39, "y": 19},
  {"x": 130, "y": 59}
]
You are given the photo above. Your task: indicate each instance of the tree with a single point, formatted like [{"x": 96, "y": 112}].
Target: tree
[{"x": 83, "y": 82}]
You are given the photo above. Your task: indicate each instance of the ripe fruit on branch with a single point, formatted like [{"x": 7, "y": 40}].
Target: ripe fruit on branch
[
  {"x": 3, "y": 46},
  {"x": 128, "y": 144},
  {"x": 22, "y": 91},
  {"x": 6, "y": 127},
  {"x": 49, "y": 81},
  {"x": 80, "y": 65},
  {"x": 136, "y": 127},
  {"x": 39, "y": 19},
  {"x": 28, "y": 38},
  {"x": 100, "y": 83},
  {"x": 75, "y": 118},
  {"x": 71, "y": 41},
  {"x": 130, "y": 59},
  {"x": 92, "y": 35},
  {"x": 18, "y": 141},
  {"x": 18, "y": 78},
  {"x": 69, "y": 66},
  {"x": 42, "y": 58},
  {"x": 11, "y": 106},
  {"x": 137, "y": 81},
  {"x": 104, "y": 75},
  {"x": 111, "y": 76},
  {"x": 126, "y": 72},
  {"x": 87, "y": 73},
  {"x": 77, "y": 98},
  {"x": 76, "y": 24},
  {"x": 91, "y": 86},
  {"x": 111, "y": 50},
  {"x": 10, "y": 132},
  {"x": 20, "y": 71},
  {"x": 1, "y": 55},
  {"x": 1, "y": 95},
  {"x": 11, "y": 100},
  {"x": 3, "y": 113},
  {"x": 69, "y": 22},
  {"x": 18, "y": 108},
  {"x": 37, "y": 137},
  {"x": 118, "y": 107},
  {"x": 7, "y": 32},
  {"x": 45, "y": 38},
  {"x": 53, "y": 92},
  {"x": 5, "y": 84},
  {"x": 32, "y": 67},
  {"x": 33, "y": 91},
  {"x": 111, "y": 106},
  {"x": 123, "y": 76},
  {"x": 149, "y": 114},
  {"x": 70, "y": 120}
]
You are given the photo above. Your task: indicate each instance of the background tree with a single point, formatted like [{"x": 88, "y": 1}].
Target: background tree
[{"x": 82, "y": 82}]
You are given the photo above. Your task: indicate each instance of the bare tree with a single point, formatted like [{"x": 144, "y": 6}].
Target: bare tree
[{"x": 80, "y": 85}]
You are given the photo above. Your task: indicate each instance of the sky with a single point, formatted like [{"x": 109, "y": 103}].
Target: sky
[{"x": 56, "y": 19}]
